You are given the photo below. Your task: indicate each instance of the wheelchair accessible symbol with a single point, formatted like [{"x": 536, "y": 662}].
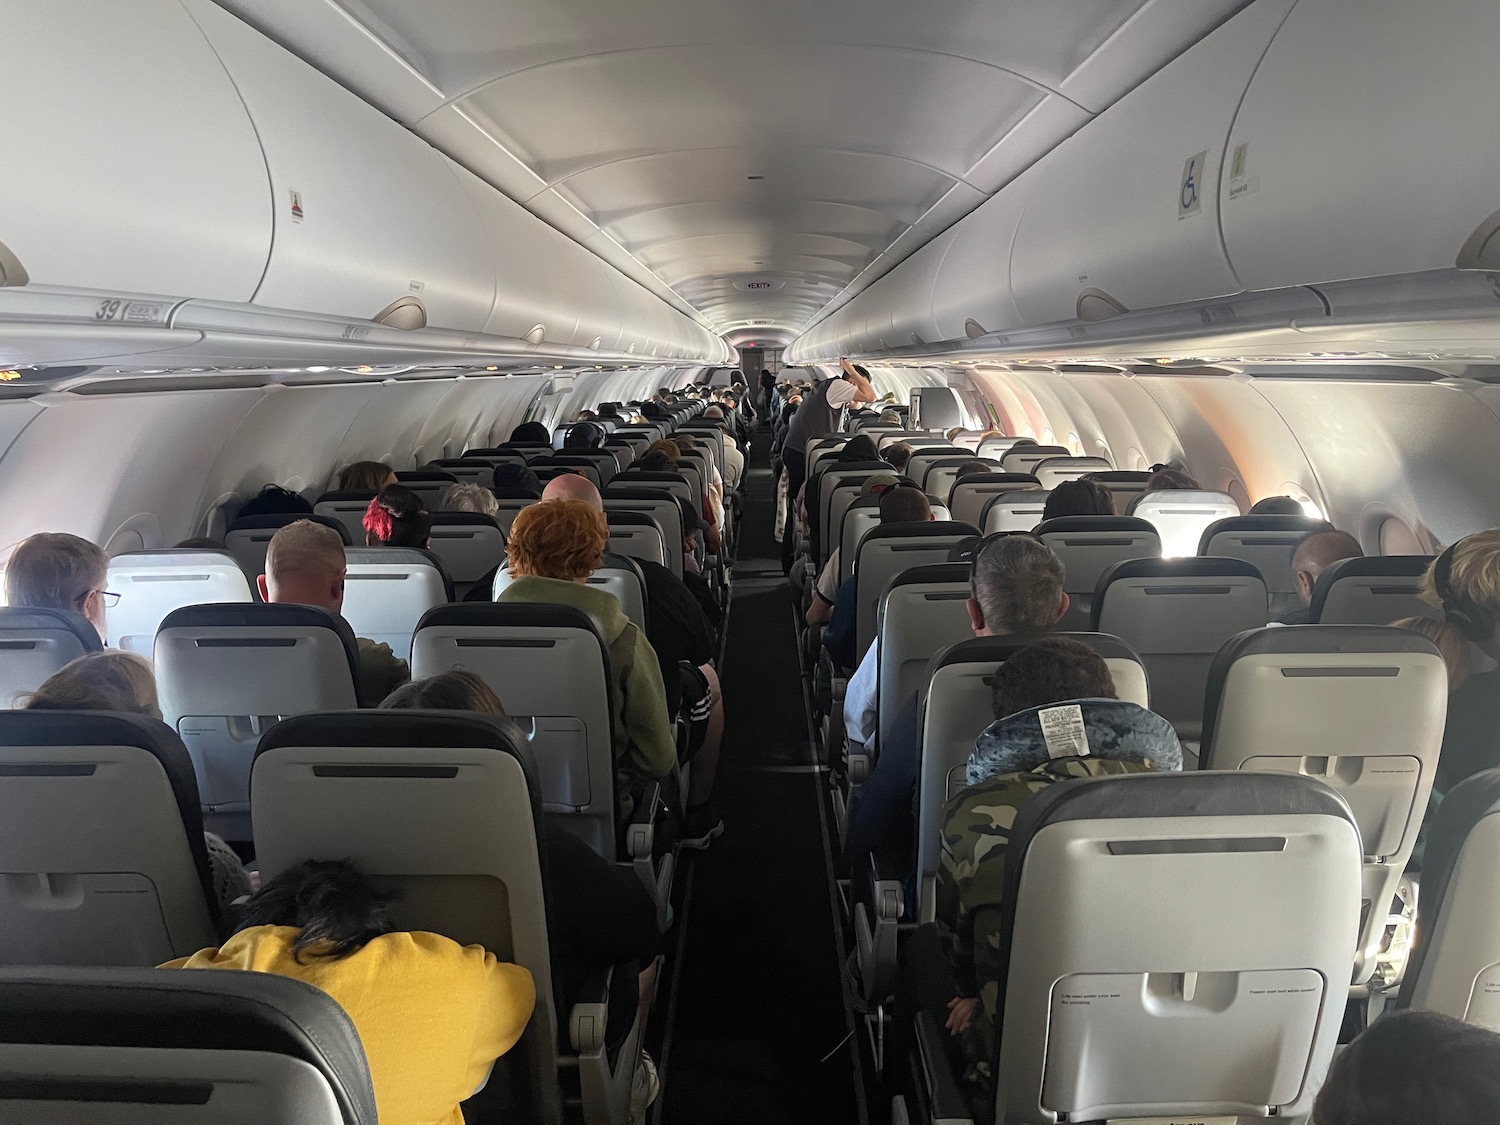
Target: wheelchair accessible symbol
[{"x": 1189, "y": 198}]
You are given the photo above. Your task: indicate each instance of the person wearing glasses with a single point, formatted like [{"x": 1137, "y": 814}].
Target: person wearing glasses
[{"x": 55, "y": 570}]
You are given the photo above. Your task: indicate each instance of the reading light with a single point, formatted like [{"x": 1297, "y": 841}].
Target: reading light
[{"x": 9, "y": 375}]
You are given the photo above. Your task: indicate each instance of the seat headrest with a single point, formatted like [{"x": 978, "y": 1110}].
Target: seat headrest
[
  {"x": 1213, "y": 567},
  {"x": 932, "y": 572},
  {"x": 624, "y": 492},
  {"x": 1112, "y": 729},
  {"x": 1369, "y": 566},
  {"x": 425, "y": 476},
  {"x": 282, "y": 519},
  {"x": 1021, "y": 481},
  {"x": 442, "y": 518},
  {"x": 928, "y": 529},
  {"x": 624, "y": 517},
  {"x": 1059, "y": 525},
  {"x": 510, "y": 615},
  {"x": 395, "y": 727},
  {"x": 34, "y": 618},
  {"x": 264, "y": 615},
  {"x": 224, "y": 1010},
  {"x": 613, "y": 561},
  {"x": 350, "y": 494},
  {"x": 1185, "y": 497},
  {"x": 1290, "y": 525},
  {"x": 1121, "y": 476},
  {"x": 998, "y": 649}
]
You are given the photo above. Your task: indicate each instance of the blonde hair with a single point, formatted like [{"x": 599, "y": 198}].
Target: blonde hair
[
  {"x": 562, "y": 539},
  {"x": 469, "y": 498},
  {"x": 54, "y": 570},
  {"x": 1457, "y": 653},
  {"x": 365, "y": 476},
  {"x": 1473, "y": 582},
  {"x": 102, "y": 681},
  {"x": 667, "y": 446},
  {"x": 304, "y": 546}
]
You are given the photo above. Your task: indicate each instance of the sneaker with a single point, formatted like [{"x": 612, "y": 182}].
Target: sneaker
[
  {"x": 644, "y": 1086},
  {"x": 700, "y": 827}
]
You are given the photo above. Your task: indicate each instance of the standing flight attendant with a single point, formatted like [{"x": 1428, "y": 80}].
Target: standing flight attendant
[{"x": 817, "y": 417}]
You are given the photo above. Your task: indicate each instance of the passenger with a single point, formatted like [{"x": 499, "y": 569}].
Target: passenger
[
  {"x": 609, "y": 411},
  {"x": 432, "y": 1016},
  {"x": 1079, "y": 498},
  {"x": 902, "y": 504},
  {"x": 1016, "y": 587},
  {"x": 530, "y": 433},
  {"x": 585, "y": 416},
  {"x": 952, "y": 966},
  {"x": 397, "y": 518},
  {"x": 366, "y": 476},
  {"x": 469, "y": 498},
  {"x": 826, "y": 591},
  {"x": 1278, "y": 506},
  {"x": 817, "y": 417},
  {"x": 553, "y": 548},
  {"x": 1414, "y": 1066},
  {"x": 586, "y": 434},
  {"x": 1165, "y": 478},
  {"x": 123, "y": 681},
  {"x": 273, "y": 500},
  {"x": 516, "y": 482},
  {"x": 890, "y": 418},
  {"x": 1464, "y": 581},
  {"x": 1313, "y": 555},
  {"x": 897, "y": 455},
  {"x": 734, "y": 460},
  {"x": 858, "y": 449},
  {"x": 680, "y": 631},
  {"x": 767, "y": 383},
  {"x": 971, "y": 469},
  {"x": 599, "y": 914},
  {"x": 55, "y": 570},
  {"x": 861, "y": 447},
  {"x": 305, "y": 565},
  {"x": 1460, "y": 658}
]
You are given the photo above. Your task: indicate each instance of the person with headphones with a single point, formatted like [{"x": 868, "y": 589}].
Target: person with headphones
[{"x": 1464, "y": 581}]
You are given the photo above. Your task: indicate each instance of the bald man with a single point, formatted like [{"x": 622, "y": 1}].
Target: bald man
[
  {"x": 305, "y": 565},
  {"x": 680, "y": 635},
  {"x": 1315, "y": 554}
]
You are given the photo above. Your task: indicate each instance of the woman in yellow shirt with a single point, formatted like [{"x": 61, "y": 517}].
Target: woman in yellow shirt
[{"x": 433, "y": 1016}]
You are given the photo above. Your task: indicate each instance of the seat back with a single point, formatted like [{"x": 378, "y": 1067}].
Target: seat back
[
  {"x": 636, "y": 535},
  {"x": 996, "y": 446},
  {"x": 225, "y": 672},
  {"x": 674, "y": 482},
  {"x": 1025, "y": 458},
  {"x": 923, "y": 611},
  {"x": 102, "y": 848},
  {"x": 943, "y": 474},
  {"x": 662, "y": 507},
  {"x": 429, "y": 485},
  {"x": 1359, "y": 707},
  {"x": 1088, "y": 546},
  {"x": 1180, "y": 516},
  {"x": 619, "y": 577},
  {"x": 495, "y": 457},
  {"x": 957, "y": 704},
  {"x": 509, "y": 508},
  {"x": 153, "y": 583},
  {"x": 1052, "y": 471},
  {"x": 862, "y": 517},
  {"x": 440, "y": 807},
  {"x": 468, "y": 470},
  {"x": 549, "y": 665},
  {"x": 249, "y": 538},
  {"x": 888, "y": 550},
  {"x": 1123, "y": 485},
  {"x": 1177, "y": 613},
  {"x": 1455, "y": 967},
  {"x": 35, "y": 643},
  {"x": 386, "y": 591},
  {"x": 1371, "y": 591},
  {"x": 884, "y": 438},
  {"x": 347, "y": 507},
  {"x": 1266, "y": 543},
  {"x": 924, "y": 459},
  {"x": 468, "y": 544},
  {"x": 1014, "y": 511},
  {"x": 968, "y": 497},
  {"x": 147, "y": 1047},
  {"x": 1133, "y": 922},
  {"x": 821, "y": 491}
]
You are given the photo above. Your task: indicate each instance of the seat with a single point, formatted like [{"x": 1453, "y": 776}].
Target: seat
[
  {"x": 226, "y": 672},
  {"x": 442, "y": 808},
  {"x": 1146, "y": 982},
  {"x": 386, "y": 591},
  {"x": 923, "y": 612},
  {"x": 509, "y": 507},
  {"x": 1177, "y": 613},
  {"x": 968, "y": 497},
  {"x": 1123, "y": 485},
  {"x": 468, "y": 470},
  {"x": 674, "y": 482},
  {"x": 1455, "y": 966},
  {"x": 153, "y": 1047},
  {"x": 153, "y": 583},
  {"x": 103, "y": 847},
  {"x": 495, "y": 457},
  {"x": 824, "y": 491},
  {"x": 619, "y": 576},
  {"x": 956, "y": 705},
  {"x": 884, "y": 438},
  {"x": 862, "y": 516},
  {"x": 1358, "y": 707},
  {"x": 34, "y": 643},
  {"x": 1052, "y": 471},
  {"x": 582, "y": 462},
  {"x": 1025, "y": 458},
  {"x": 888, "y": 550},
  {"x": 924, "y": 459},
  {"x": 661, "y": 506},
  {"x": 1180, "y": 516},
  {"x": 636, "y": 535},
  {"x": 348, "y": 508},
  {"x": 997, "y": 446},
  {"x": 1265, "y": 542},
  {"x": 1087, "y": 546},
  {"x": 248, "y": 539},
  {"x": 943, "y": 474},
  {"x": 428, "y": 485},
  {"x": 1371, "y": 591},
  {"x": 1014, "y": 511},
  {"x": 468, "y": 544}
]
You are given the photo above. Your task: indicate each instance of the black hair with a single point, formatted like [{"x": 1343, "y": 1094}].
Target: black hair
[
  {"x": 273, "y": 500},
  {"x": 861, "y": 447},
  {"x": 904, "y": 504},
  {"x": 516, "y": 482},
  {"x": 531, "y": 433},
  {"x": 1079, "y": 498},
  {"x": 1164, "y": 478},
  {"x": 657, "y": 461},
  {"x": 1277, "y": 506},
  {"x": 970, "y": 468},
  {"x": 397, "y": 518},
  {"x": 327, "y": 901},
  {"x": 609, "y": 410},
  {"x": 455, "y": 690},
  {"x": 1051, "y": 671},
  {"x": 584, "y": 435}
]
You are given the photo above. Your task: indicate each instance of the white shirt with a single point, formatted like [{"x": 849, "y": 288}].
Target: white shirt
[
  {"x": 860, "y": 704},
  {"x": 842, "y": 393}
]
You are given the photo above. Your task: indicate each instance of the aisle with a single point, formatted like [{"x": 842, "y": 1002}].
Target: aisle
[{"x": 757, "y": 1004}]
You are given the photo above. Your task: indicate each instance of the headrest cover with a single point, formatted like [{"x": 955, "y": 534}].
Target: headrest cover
[{"x": 1111, "y": 729}]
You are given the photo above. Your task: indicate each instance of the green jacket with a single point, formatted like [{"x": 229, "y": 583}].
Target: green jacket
[{"x": 645, "y": 746}]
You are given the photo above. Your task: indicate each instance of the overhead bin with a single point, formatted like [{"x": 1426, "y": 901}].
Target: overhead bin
[
  {"x": 1367, "y": 143},
  {"x": 130, "y": 163}
]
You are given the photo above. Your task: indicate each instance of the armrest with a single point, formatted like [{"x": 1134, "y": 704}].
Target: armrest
[
  {"x": 888, "y": 897},
  {"x": 590, "y": 1014},
  {"x": 640, "y": 833},
  {"x": 944, "y": 1094}
]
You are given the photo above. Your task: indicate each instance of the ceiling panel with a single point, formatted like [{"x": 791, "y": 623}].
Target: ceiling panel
[{"x": 753, "y": 162}]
